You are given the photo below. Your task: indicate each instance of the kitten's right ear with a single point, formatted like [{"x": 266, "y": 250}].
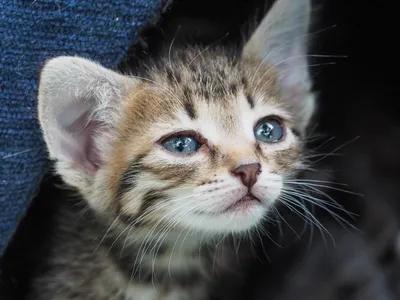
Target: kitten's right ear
[
  {"x": 280, "y": 41},
  {"x": 79, "y": 105}
]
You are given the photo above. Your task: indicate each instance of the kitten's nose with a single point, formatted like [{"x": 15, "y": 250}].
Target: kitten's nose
[{"x": 248, "y": 173}]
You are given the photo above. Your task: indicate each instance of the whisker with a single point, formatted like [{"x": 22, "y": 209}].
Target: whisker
[
  {"x": 321, "y": 154},
  {"x": 334, "y": 204},
  {"x": 324, "y": 143},
  {"x": 275, "y": 211},
  {"x": 159, "y": 85},
  {"x": 104, "y": 236},
  {"x": 143, "y": 248},
  {"x": 325, "y": 186},
  {"x": 288, "y": 69},
  {"x": 172, "y": 42},
  {"x": 287, "y": 223},
  {"x": 317, "y": 202},
  {"x": 287, "y": 202},
  {"x": 310, "y": 217},
  {"x": 337, "y": 149},
  {"x": 267, "y": 234},
  {"x": 184, "y": 229},
  {"x": 264, "y": 232},
  {"x": 314, "y": 181},
  {"x": 284, "y": 44},
  {"x": 208, "y": 47}
]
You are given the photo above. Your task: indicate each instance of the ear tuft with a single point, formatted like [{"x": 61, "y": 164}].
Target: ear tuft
[{"x": 78, "y": 105}]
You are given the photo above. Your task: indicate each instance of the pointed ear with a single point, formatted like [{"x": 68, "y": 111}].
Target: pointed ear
[
  {"x": 79, "y": 103},
  {"x": 280, "y": 41}
]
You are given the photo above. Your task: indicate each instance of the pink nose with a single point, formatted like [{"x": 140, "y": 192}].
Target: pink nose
[{"x": 248, "y": 173}]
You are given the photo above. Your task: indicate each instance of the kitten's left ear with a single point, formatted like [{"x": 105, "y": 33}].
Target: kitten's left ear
[{"x": 280, "y": 41}]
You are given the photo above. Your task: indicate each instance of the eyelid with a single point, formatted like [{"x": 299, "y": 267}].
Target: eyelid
[
  {"x": 278, "y": 119},
  {"x": 197, "y": 136}
]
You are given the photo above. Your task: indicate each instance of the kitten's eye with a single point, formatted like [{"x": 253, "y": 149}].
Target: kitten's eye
[
  {"x": 181, "y": 144},
  {"x": 269, "y": 131}
]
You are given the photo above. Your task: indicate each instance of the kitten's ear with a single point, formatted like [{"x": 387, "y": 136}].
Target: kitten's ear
[
  {"x": 79, "y": 103},
  {"x": 280, "y": 41}
]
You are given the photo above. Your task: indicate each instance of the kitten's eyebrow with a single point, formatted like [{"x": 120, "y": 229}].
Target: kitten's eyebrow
[
  {"x": 190, "y": 110},
  {"x": 250, "y": 100}
]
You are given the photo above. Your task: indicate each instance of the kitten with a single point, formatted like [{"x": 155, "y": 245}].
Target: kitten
[{"x": 196, "y": 147}]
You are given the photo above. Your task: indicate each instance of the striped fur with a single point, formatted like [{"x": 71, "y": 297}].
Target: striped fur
[{"x": 156, "y": 208}]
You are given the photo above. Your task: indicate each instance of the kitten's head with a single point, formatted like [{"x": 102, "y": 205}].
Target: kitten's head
[{"x": 205, "y": 141}]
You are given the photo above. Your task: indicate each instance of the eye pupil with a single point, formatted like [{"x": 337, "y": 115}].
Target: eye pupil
[
  {"x": 179, "y": 144},
  {"x": 266, "y": 130}
]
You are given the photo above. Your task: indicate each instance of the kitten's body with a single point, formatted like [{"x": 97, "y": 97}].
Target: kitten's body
[
  {"x": 84, "y": 264},
  {"x": 171, "y": 163}
]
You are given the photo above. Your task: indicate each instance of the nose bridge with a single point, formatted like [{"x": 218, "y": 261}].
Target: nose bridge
[
  {"x": 244, "y": 162},
  {"x": 238, "y": 150},
  {"x": 243, "y": 156}
]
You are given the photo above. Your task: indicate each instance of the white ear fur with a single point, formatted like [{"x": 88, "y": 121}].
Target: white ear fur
[
  {"x": 78, "y": 106},
  {"x": 281, "y": 41}
]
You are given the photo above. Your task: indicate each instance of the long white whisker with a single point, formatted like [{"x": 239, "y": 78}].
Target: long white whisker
[
  {"x": 314, "y": 185},
  {"x": 288, "y": 70},
  {"x": 106, "y": 233},
  {"x": 143, "y": 248},
  {"x": 311, "y": 217},
  {"x": 337, "y": 149},
  {"x": 304, "y": 216},
  {"x": 317, "y": 202},
  {"x": 208, "y": 47},
  {"x": 315, "y": 181}
]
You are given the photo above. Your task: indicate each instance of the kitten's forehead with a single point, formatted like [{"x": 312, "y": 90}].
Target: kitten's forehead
[
  {"x": 214, "y": 74},
  {"x": 207, "y": 75},
  {"x": 199, "y": 86}
]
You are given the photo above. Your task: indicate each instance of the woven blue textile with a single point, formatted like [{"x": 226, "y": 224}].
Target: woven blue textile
[{"x": 32, "y": 31}]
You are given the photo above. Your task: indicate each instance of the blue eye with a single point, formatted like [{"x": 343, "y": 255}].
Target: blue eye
[
  {"x": 181, "y": 144},
  {"x": 269, "y": 131}
]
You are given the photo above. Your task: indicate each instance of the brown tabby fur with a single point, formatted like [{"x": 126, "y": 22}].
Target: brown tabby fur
[{"x": 155, "y": 219}]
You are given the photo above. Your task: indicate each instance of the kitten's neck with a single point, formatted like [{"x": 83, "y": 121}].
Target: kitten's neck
[{"x": 146, "y": 254}]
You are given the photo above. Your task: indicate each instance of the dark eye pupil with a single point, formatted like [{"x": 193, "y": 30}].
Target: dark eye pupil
[
  {"x": 266, "y": 130},
  {"x": 181, "y": 143}
]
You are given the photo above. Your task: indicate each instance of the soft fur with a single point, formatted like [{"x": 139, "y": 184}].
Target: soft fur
[{"x": 155, "y": 218}]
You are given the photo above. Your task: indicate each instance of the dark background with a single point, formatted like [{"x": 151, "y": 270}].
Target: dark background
[{"x": 357, "y": 98}]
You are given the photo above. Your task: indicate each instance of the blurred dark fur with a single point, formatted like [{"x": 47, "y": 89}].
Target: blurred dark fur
[{"x": 357, "y": 99}]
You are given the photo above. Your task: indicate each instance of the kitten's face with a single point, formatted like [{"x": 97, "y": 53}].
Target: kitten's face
[
  {"x": 209, "y": 151},
  {"x": 204, "y": 142}
]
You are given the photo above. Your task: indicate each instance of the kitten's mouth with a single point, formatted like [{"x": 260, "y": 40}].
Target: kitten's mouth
[{"x": 244, "y": 203}]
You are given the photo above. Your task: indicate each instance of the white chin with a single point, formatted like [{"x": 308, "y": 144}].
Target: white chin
[{"x": 235, "y": 221}]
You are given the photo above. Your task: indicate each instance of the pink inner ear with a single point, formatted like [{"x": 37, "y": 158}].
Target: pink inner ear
[{"x": 77, "y": 142}]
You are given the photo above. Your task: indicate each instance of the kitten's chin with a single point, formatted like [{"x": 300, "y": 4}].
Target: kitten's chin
[{"x": 241, "y": 217}]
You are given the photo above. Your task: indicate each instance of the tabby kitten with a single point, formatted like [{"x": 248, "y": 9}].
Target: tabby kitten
[{"x": 194, "y": 148}]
